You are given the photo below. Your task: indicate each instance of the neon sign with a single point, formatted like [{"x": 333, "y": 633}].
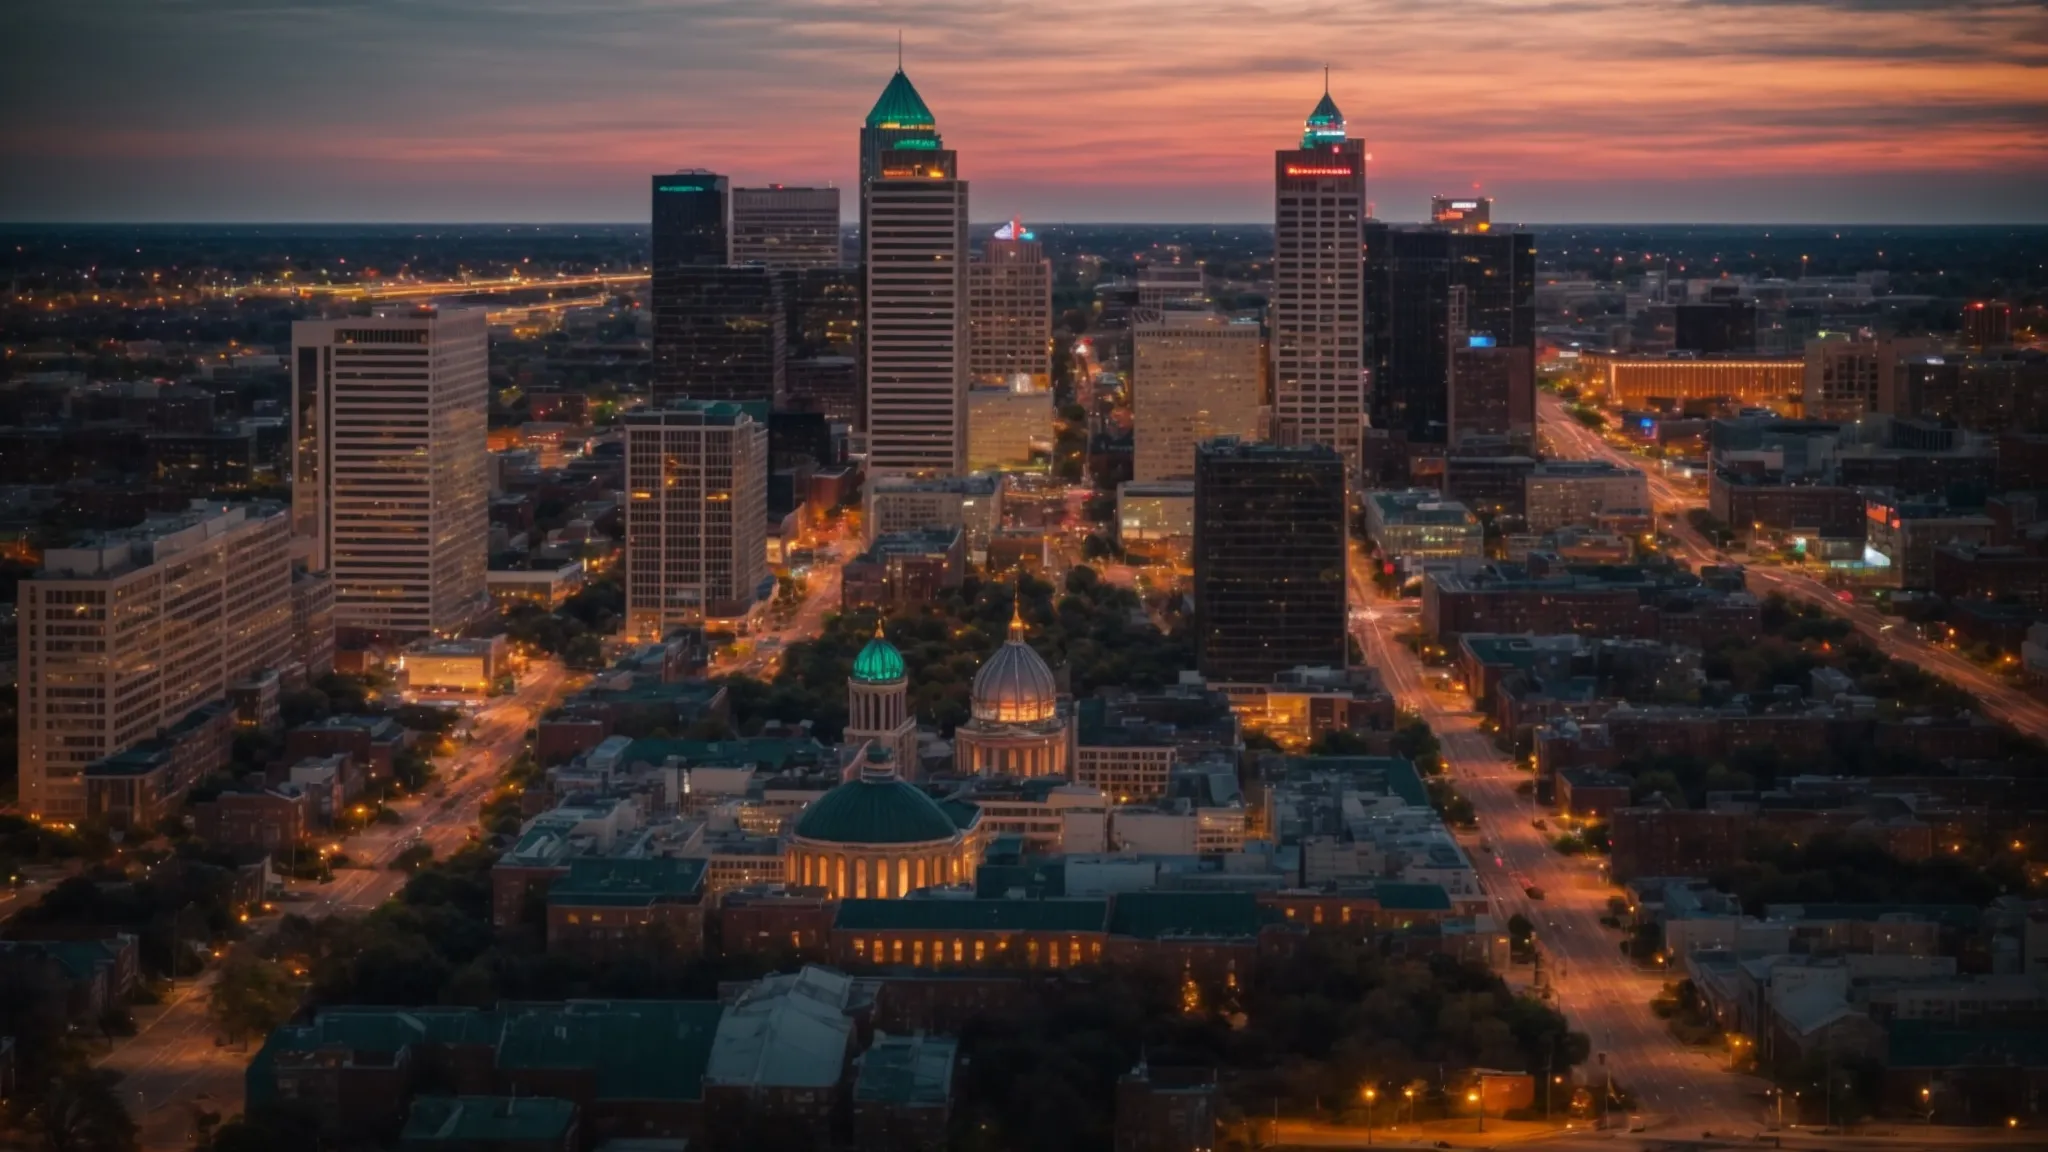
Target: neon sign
[
  {"x": 1306, "y": 170},
  {"x": 681, "y": 188}
]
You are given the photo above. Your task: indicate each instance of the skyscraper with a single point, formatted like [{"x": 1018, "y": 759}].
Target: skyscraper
[
  {"x": 1412, "y": 313},
  {"x": 782, "y": 227},
  {"x": 718, "y": 328},
  {"x": 1195, "y": 375},
  {"x": 125, "y": 634},
  {"x": 1318, "y": 291},
  {"x": 696, "y": 516},
  {"x": 391, "y": 475},
  {"x": 1009, "y": 312},
  {"x": 1269, "y": 559},
  {"x": 914, "y": 246},
  {"x": 690, "y": 215}
]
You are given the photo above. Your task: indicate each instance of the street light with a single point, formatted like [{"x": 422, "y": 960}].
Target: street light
[
  {"x": 1410, "y": 1094},
  {"x": 1473, "y": 1099},
  {"x": 1371, "y": 1094}
]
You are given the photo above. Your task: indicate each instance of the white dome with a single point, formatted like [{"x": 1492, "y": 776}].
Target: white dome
[{"x": 1015, "y": 686}]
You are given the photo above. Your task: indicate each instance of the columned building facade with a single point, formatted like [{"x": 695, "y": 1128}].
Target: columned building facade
[
  {"x": 878, "y": 837},
  {"x": 878, "y": 705},
  {"x": 1019, "y": 726}
]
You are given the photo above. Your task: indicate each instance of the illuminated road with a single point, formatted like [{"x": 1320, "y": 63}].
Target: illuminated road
[
  {"x": 415, "y": 289},
  {"x": 822, "y": 594},
  {"x": 2000, "y": 701},
  {"x": 1599, "y": 990},
  {"x": 172, "y": 1069}
]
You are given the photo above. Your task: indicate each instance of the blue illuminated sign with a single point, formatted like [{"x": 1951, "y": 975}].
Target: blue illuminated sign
[{"x": 1481, "y": 341}]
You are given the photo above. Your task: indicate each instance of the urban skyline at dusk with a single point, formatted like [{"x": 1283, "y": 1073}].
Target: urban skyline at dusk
[{"x": 1839, "y": 111}]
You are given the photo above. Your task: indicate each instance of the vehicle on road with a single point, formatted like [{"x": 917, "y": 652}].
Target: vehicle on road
[{"x": 1533, "y": 892}]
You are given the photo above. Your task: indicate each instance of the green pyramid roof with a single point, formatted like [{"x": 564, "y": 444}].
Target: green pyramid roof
[
  {"x": 1325, "y": 124},
  {"x": 900, "y": 106}
]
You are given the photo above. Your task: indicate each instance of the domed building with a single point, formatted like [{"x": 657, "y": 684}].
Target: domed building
[
  {"x": 878, "y": 706},
  {"x": 1019, "y": 726},
  {"x": 878, "y": 836}
]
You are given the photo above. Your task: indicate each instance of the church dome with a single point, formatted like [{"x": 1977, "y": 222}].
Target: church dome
[
  {"x": 879, "y": 662},
  {"x": 875, "y": 808},
  {"x": 1015, "y": 686}
]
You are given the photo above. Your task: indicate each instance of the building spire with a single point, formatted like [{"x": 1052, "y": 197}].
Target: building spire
[
  {"x": 899, "y": 64},
  {"x": 1017, "y": 618},
  {"x": 878, "y": 628},
  {"x": 899, "y": 56}
]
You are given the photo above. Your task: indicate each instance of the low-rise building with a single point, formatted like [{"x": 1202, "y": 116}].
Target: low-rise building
[
  {"x": 1560, "y": 493},
  {"x": 1418, "y": 524},
  {"x": 903, "y": 1093},
  {"x": 610, "y": 907},
  {"x": 904, "y": 568},
  {"x": 467, "y": 669}
]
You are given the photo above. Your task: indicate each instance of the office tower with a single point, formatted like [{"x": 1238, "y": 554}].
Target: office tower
[
  {"x": 396, "y": 488},
  {"x": 720, "y": 334},
  {"x": 1715, "y": 328},
  {"x": 1412, "y": 312},
  {"x": 1491, "y": 390},
  {"x": 1009, "y": 312},
  {"x": 915, "y": 249},
  {"x": 1462, "y": 213},
  {"x": 1195, "y": 375},
  {"x": 1007, "y": 427},
  {"x": 1269, "y": 560},
  {"x": 1987, "y": 324},
  {"x": 689, "y": 222},
  {"x": 696, "y": 516},
  {"x": 1318, "y": 305},
  {"x": 781, "y": 227},
  {"x": 123, "y": 635},
  {"x": 825, "y": 311}
]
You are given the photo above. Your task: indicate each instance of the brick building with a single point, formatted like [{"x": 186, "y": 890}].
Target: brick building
[{"x": 1658, "y": 840}]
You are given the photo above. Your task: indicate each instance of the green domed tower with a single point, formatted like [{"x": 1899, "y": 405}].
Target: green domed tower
[{"x": 878, "y": 705}]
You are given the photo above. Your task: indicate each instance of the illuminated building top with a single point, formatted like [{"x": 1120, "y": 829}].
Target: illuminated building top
[
  {"x": 1325, "y": 124},
  {"x": 900, "y": 108}
]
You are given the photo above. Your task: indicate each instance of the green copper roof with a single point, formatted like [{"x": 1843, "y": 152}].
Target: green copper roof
[
  {"x": 878, "y": 663},
  {"x": 900, "y": 106},
  {"x": 875, "y": 809},
  {"x": 1325, "y": 124},
  {"x": 472, "y": 1120},
  {"x": 1200, "y": 915}
]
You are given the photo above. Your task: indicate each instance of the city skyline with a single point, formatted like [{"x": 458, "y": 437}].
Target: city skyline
[{"x": 1589, "y": 110}]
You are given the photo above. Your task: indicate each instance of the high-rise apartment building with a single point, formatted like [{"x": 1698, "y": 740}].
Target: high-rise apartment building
[
  {"x": 1164, "y": 286},
  {"x": 783, "y": 227},
  {"x": 391, "y": 476},
  {"x": 1195, "y": 375},
  {"x": 696, "y": 516},
  {"x": 125, "y": 634},
  {"x": 1423, "y": 287},
  {"x": 914, "y": 246},
  {"x": 1269, "y": 559},
  {"x": 1318, "y": 290},
  {"x": 1009, "y": 312}
]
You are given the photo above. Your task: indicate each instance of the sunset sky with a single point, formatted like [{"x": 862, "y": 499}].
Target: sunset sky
[{"x": 1835, "y": 111}]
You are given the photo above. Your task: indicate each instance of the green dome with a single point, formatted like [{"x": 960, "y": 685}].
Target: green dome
[
  {"x": 878, "y": 808},
  {"x": 900, "y": 106},
  {"x": 878, "y": 663}
]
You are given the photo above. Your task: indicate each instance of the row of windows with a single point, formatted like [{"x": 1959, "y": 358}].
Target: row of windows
[{"x": 940, "y": 952}]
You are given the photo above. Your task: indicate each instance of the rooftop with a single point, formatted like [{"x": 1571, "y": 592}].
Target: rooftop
[
  {"x": 907, "y": 1071},
  {"x": 467, "y": 1119},
  {"x": 1199, "y": 915},
  {"x": 629, "y": 883}
]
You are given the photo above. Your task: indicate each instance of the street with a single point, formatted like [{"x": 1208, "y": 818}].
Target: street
[
  {"x": 171, "y": 1068},
  {"x": 763, "y": 654},
  {"x": 1572, "y": 440},
  {"x": 1598, "y": 989}
]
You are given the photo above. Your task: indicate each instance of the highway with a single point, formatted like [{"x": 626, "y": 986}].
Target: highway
[
  {"x": 1598, "y": 989},
  {"x": 1569, "y": 438},
  {"x": 171, "y": 1068}
]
